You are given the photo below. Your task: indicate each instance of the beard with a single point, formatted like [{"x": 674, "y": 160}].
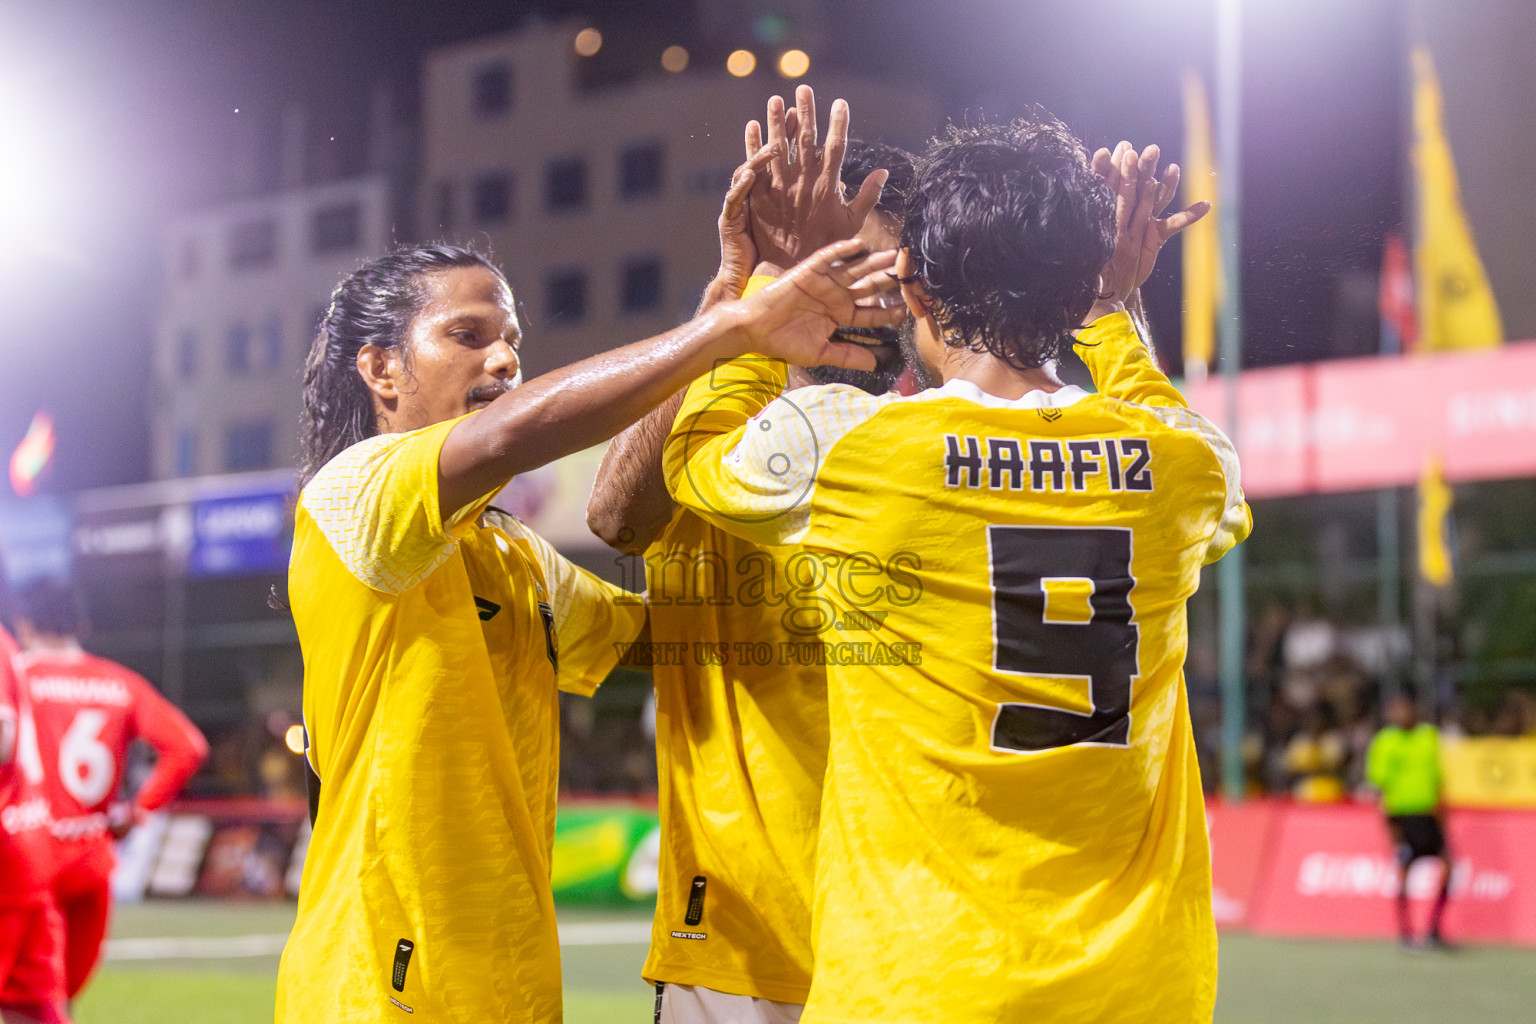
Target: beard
[
  {"x": 923, "y": 375},
  {"x": 890, "y": 349}
]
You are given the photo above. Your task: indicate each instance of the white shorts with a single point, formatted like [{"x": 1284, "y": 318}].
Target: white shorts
[{"x": 691, "y": 1004}]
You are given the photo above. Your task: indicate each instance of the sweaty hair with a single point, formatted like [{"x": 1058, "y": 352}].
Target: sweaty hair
[
  {"x": 861, "y": 158},
  {"x": 373, "y": 305},
  {"x": 1009, "y": 227},
  {"x": 53, "y": 607}
]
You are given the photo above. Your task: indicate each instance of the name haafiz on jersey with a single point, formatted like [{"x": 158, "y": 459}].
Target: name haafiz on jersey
[{"x": 1041, "y": 465}]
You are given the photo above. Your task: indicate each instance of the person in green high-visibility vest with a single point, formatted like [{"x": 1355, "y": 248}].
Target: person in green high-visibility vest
[{"x": 1404, "y": 763}]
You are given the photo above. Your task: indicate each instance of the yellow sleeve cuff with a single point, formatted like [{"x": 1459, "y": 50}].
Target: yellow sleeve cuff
[
  {"x": 756, "y": 283},
  {"x": 1118, "y": 323}
]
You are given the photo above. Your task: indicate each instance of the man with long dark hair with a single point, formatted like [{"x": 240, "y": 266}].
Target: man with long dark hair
[
  {"x": 437, "y": 631},
  {"x": 1012, "y": 826}
]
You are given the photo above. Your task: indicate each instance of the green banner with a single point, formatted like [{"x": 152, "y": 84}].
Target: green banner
[{"x": 605, "y": 854}]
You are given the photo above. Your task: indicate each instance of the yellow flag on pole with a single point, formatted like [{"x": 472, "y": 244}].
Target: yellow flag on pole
[
  {"x": 1435, "y": 499},
  {"x": 1457, "y": 309},
  {"x": 1202, "y": 258}
]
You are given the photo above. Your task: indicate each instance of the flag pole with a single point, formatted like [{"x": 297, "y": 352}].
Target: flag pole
[{"x": 1232, "y": 641}]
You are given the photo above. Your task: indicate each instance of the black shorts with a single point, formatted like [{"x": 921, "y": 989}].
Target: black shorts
[{"x": 1416, "y": 835}]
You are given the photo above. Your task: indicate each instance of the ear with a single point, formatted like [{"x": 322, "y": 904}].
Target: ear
[
  {"x": 912, "y": 289},
  {"x": 382, "y": 371}
]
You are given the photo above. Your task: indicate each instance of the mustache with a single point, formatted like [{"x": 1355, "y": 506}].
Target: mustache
[
  {"x": 868, "y": 335},
  {"x": 490, "y": 392}
]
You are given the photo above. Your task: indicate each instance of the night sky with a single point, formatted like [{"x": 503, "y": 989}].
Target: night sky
[{"x": 137, "y": 101}]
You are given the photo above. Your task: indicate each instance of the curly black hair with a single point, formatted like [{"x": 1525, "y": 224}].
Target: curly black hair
[
  {"x": 373, "y": 305},
  {"x": 1009, "y": 227},
  {"x": 862, "y": 158}
]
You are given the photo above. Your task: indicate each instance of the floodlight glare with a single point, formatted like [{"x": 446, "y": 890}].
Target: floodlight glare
[
  {"x": 674, "y": 59},
  {"x": 588, "y": 42},
  {"x": 794, "y": 63},
  {"x": 741, "y": 63}
]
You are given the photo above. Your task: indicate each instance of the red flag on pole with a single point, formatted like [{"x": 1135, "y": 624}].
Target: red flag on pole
[{"x": 1395, "y": 300}]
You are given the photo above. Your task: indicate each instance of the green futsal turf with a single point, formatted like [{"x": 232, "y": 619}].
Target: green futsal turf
[{"x": 1263, "y": 981}]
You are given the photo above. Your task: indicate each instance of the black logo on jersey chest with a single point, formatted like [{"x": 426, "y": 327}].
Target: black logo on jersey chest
[
  {"x": 547, "y": 613},
  {"x": 487, "y": 609},
  {"x": 1049, "y": 415}
]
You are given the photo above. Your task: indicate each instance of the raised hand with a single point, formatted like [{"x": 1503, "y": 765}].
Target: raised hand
[
  {"x": 799, "y": 206},
  {"x": 841, "y": 285},
  {"x": 738, "y": 253},
  {"x": 1140, "y": 228}
]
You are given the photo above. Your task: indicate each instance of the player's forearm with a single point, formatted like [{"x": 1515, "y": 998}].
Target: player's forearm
[
  {"x": 1138, "y": 311},
  {"x": 180, "y": 756},
  {"x": 1121, "y": 363},
  {"x": 630, "y": 506},
  {"x": 576, "y": 407}
]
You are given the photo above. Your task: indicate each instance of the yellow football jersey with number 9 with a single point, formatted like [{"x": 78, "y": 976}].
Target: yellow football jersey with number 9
[{"x": 1012, "y": 826}]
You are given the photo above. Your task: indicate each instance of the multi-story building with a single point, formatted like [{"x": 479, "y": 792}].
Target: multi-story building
[
  {"x": 599, "y": 199},
  {"x": 245, "y": 287}
]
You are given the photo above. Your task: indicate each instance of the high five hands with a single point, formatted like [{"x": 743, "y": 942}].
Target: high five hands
[
  {"x": 797, "y": 205},
  {"x": 1140, "y": 228}
]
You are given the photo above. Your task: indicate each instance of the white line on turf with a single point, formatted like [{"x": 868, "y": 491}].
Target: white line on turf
[
  {"x": 605, "y": 933},
  {"x": 195, "y": 948},
  {"x": 586, "y": 933}
]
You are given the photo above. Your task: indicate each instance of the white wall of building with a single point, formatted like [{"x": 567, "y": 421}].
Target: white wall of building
[
  {"x": 693, "y": 121},
  {"x": 237, "y": 316}
]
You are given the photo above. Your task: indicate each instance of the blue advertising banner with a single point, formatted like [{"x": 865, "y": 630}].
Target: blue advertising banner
[
  {"x": 250, "y": 533},
  {"x": 34, "y": 539}
]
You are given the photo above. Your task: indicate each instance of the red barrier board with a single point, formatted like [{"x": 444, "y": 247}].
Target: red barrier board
[
  {"x": 1362, "y": 423},
  {"x": 1330, "y": 872},
  {"x": 1240, "y": 839}
]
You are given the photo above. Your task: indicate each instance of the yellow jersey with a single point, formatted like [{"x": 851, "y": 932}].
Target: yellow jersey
[
  {"x": 434, "y": 646},
  {"x": 741, "y": 748},
  {"x": 1012, "y": 826}
]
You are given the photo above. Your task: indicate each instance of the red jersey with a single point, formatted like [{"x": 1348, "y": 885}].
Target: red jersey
[
  {"x": 23, "y": 809},
  {"x": 85, "y": 712}
]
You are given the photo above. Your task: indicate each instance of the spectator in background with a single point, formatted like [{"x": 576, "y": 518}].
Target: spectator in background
[
  {"x": 86, "y": 711},
  {"x": 1404, "y": 763}
]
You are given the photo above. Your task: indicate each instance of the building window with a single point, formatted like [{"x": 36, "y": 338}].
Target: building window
[
  {"x": 247, "y": 446},
  {"x": 491, "y": 90},
  {"x": 445, "y": 205},
  {"x": 186, "y": 354},
  {"x": 186, "y": 452},
  {"x": 640, "y": 289},
  {"x": 272, "y": 342},
  {"x": 640, "y": 171},
  {"x": 237, "y": 351},
  {"x": 565, "y": 184},
  {"x": 566, "y": 296},
  {"x": 491, "y": 198},
  {"x": 713, "y": 181},
  {"x": 336, "y": 227},
  {"x": 253, "y": 244}
]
